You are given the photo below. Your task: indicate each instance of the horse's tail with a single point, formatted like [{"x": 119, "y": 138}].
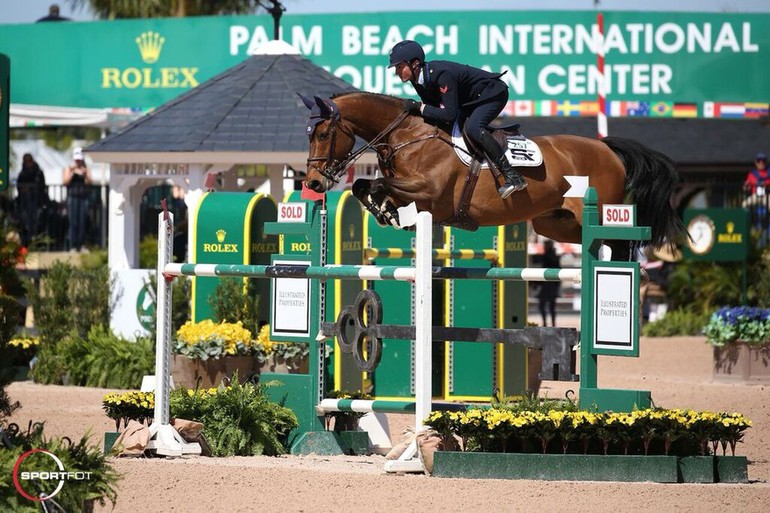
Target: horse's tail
[{"x": 651, "y": 179}]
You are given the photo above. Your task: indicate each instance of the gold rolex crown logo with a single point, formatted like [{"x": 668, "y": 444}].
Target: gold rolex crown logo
[
  {"x": 730, "y": 227},
  {"x": 150, "y": 44},
  {"x": 221, "y": 234}
]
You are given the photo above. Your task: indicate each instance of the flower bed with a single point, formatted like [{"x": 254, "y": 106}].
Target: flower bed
[
  {"x": 643, "y": 432},
  {"x": 657, "y": 445}
]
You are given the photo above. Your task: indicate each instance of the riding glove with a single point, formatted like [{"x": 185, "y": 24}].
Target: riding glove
[{"x": 412, "y": 106}]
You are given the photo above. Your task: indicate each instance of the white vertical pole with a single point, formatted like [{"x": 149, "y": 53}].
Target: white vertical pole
[
  {"x": 423, "y": 287},
  {"x": 164, "y": 439},
  {"x": 163, "y": 321}
]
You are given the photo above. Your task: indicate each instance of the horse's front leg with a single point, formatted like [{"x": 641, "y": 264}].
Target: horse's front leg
[
  {"x": 379, "y": 195},
  {"x": 373, "y": 201}
]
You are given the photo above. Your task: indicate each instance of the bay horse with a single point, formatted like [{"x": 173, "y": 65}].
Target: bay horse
[{"x": 419, "y": 165}]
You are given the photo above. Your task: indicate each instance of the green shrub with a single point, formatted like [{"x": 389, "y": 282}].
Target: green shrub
[
  {"x": 71, "y": 298},
  {"x": 704, "y": 286},
  {"x": 680, "y": 322},
  {"x": 531, "y": 402},
  {"x": 77, "y": 495},
  {"x": 235, "y": 299},
  {"x": 148, "y": 252},
  {"x": 101, "y": 359},
  {"x": 239, "y": 420},
  {"x": 181, "y": 290}
]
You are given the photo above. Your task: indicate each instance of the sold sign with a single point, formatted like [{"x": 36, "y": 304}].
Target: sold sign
[
  {"x": 618, "y": 215},
  {"x": 292, "y": 212}
]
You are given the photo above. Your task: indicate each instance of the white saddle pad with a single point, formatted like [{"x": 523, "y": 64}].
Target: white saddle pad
[{"x": 520, "y": 153}]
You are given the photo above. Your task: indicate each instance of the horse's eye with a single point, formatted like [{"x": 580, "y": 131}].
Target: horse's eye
[{"x": 322, "y": 136}]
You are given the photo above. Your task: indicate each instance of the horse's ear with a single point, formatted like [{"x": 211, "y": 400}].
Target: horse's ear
[
  {"x": 307, "y": 101},
  {"x": 323, "y": 106}
]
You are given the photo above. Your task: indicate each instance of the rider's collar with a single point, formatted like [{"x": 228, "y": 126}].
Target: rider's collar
[{"x": 423, "y": 77}]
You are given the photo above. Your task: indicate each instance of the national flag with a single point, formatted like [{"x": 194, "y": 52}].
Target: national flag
[
  {"x": 618, "y": 109},
  {"x": 509, "y": 109},
  {"x": 567, "y": 108},
  {"x": 708, "y": 109},
  {"x": 638, "y": 109},
  {"x": 661, "y": 109},
  {"x": 730, "y": 110},
  {"x": 757, "y": 110},
  {"x": 523, "y": 108},
  {"x": 685, "y": 110},
  {"x": 545, "y": 108},
  {"x": 589, "y": 108}
]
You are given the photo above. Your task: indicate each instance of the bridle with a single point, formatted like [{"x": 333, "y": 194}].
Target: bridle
[{"x": 334, "y": 168}]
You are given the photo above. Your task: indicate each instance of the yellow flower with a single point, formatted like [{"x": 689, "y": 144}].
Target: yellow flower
[
  {"x": 24, "y": 342},
  {"x": 264, "y": 339}
]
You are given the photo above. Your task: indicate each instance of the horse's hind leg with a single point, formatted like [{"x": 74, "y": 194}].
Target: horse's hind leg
[{"x": 559, "y": 225}]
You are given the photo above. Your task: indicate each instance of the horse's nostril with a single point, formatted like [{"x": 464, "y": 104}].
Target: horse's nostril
[{"x": 314, "y": 185}]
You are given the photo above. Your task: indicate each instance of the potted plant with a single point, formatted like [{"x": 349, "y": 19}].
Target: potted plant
[
  {"x": 124, "y": 407},
  {"x": 281, "y": 357},
  {"x": 206, "y": 352},
  {"x": 741, "y": 340},
  {"x": 23, "y": 349}
]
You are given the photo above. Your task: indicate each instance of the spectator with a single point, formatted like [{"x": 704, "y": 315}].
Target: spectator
[
  {"x": 755, "y": 187},
  {"x": 32, "y": 197},
  {"x": 77, "y": 178},
  {"x": 758, "y": 179},
  {"x": 658, "y": 265},
  {"x": 53, "y": 14},
  {"x": 549, "y": 290}
]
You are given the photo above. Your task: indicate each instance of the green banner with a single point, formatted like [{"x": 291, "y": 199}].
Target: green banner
[
  {"x": 656, "y": 64},
  {"x": 5, "y": 102}
]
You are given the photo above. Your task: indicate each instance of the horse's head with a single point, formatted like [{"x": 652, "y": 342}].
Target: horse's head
[{"x": 331, "y": 142}]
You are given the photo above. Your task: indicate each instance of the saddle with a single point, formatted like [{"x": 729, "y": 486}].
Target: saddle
[{"x": 521, "y": 152}]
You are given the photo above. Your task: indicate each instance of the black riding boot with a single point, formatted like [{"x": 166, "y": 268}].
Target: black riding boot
[{"x": 513, "y": 179}]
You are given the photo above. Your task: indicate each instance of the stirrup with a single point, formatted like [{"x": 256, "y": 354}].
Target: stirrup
[{"x": 508, "y": 188}]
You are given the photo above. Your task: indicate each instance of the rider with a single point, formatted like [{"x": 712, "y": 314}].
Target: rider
[{"x": 455, "y": 92}]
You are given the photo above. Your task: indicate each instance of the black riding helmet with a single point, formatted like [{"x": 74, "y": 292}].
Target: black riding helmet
[{"x": 406, "y": 51}]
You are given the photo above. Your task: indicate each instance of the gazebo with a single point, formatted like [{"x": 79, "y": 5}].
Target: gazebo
[{"x": 249, "y": 114}]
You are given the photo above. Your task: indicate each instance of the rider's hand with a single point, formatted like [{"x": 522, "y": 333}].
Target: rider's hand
[{"x": 412, "y": 106}]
